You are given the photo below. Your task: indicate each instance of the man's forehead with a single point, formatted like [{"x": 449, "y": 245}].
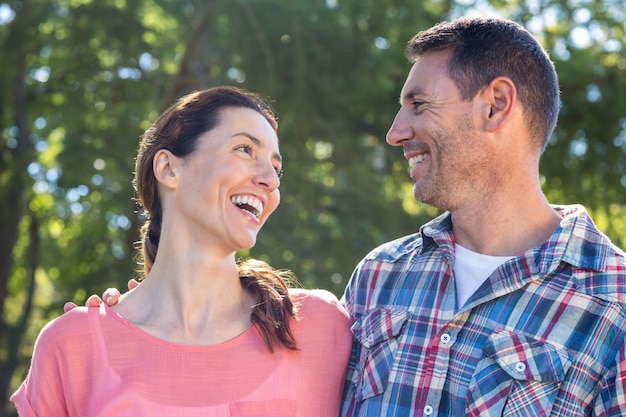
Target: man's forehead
[{"x": 427, "y": 75}]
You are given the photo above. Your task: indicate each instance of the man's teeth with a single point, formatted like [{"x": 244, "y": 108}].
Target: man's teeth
[
  {"x": 414, "y": 160},
  {"x": 249, "y": 203}
]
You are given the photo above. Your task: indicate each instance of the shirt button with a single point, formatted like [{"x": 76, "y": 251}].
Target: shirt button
[
  {"x": 520, "y": 367},
  {"x": 370, "y": 338},
  {"x": 428, "y": 410},
  {"x": 445, "y": 338}
]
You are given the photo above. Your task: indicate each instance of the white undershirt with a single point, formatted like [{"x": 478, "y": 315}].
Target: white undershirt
[{"x": 471, "y": 269}]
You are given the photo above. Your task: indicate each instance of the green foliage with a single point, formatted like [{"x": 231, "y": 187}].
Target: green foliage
[{"x": 80, "y": 80}]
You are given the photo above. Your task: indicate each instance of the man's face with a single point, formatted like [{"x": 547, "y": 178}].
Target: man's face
[{"x": 436, "y": 129}]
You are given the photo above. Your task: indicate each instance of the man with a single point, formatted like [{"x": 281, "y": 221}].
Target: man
[{"x": 505, "y": 304}]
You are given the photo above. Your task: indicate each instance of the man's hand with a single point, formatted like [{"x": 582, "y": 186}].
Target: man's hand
[{"x": 110, "y": 296}]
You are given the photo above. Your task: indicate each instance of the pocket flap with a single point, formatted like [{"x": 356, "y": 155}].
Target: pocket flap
[
  {"x": 379, "y": 325},
  {"x": 525, "y": 358}
]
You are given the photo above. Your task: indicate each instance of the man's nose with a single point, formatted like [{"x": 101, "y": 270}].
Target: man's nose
[{"x": 401, "y": 130}]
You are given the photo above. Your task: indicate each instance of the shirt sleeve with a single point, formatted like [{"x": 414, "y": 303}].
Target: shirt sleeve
[
  {"x": 62, "y": 362},
  {"x": 612, "y": 397},
  {"x": 325, "y": 343},
  {"x": 41, "y": 393},
  {"x": 20, "y": 399},
  {"x": 348, "y": 408}
]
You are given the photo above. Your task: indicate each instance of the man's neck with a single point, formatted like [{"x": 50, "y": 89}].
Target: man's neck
[{"x": 507, "y": 230}]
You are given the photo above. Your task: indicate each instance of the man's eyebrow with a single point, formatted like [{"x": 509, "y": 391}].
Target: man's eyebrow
[
  {"x": 409, "y": 95},
  {"x": 258, "y": 143}
]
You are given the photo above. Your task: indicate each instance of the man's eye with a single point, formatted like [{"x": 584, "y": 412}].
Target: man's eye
[
  {"x": 280, "y": 172},
  {"x": 417, "y": 104}
]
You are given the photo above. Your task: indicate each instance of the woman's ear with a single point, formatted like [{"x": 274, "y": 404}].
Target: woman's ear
[
  {"x": 165, "y": 168},
  {"x": 501, "y": 96}
]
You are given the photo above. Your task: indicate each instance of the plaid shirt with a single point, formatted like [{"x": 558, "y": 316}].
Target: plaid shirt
[{"x": 544, "y": 335}]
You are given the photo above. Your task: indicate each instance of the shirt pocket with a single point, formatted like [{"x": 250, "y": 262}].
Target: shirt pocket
[
  {"x": 269, "y": 408},
  {"x": 376, "y": 332},
  {"x": 518, "y": 376}
]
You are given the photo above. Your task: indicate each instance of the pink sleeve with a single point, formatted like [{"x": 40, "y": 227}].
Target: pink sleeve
[
  {"x": 20, "y": 398},
  {"x": 43, "y": 391},
  {"x": 325, "y": 342}
]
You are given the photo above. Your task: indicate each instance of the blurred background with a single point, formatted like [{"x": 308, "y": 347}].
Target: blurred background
[{"x": 80, "y": 80}]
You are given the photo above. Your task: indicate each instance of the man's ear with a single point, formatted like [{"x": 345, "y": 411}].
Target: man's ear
[
  {"x": 165, "y": 168},
  {"x": 501, "y": 96}
]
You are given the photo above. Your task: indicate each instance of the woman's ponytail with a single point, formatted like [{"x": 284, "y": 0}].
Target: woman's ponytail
[{"x": 274, "y": 310}]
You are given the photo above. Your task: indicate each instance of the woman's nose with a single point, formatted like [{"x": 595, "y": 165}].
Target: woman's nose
[{"x": 268, "y": 177}]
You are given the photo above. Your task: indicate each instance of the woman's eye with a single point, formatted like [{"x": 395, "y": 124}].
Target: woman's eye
[
  {"x": 280, "y": 172},
  {"x": 245, "y": 148}
]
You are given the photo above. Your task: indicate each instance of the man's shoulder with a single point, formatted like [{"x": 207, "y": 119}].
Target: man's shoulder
[
  {"x": 608, "y": 279},
  {"x": 597, "y": 265},
  {"x": 395, "y": 249},
  {"x": 392, "y": 250}
]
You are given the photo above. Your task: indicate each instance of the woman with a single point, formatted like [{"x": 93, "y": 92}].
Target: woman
[{"x": 202, "y": 335}]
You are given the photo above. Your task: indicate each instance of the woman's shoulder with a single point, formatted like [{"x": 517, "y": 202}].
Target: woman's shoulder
[
  {"x": 323, "y": 326},
  {"x": 319, "y": 307},
  {"x": 67, "y": 328},
  {"x": 319, "y": 300},
  {"x": 68, "y": 321}
]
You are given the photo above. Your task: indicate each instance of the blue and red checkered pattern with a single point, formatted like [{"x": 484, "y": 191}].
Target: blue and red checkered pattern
[{"x": 544, "y": 335}]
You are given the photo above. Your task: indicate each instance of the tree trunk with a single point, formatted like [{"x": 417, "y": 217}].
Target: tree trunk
[{"x": 16, "y": 332}]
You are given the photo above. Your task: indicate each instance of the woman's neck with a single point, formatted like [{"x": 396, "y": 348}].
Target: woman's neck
[{"x": 187, "y": 301}]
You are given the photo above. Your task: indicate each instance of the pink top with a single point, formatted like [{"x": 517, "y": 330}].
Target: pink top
[{"x": 92, "y": 362}]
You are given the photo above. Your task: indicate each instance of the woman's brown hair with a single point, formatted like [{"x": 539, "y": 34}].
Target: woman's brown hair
[{"x": 177, "y": 129}]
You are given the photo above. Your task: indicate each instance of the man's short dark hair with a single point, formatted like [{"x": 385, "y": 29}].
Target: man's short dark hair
[{"x": 486, "y": 48}]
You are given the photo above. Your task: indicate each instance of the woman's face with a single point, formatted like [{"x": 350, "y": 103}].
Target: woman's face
[{"x": 228, "y": 187}]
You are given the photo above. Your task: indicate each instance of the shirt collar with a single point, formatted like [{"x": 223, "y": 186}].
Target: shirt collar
[
  {"x": 438, "y": 231},
  {"x": 576, "y": 240}
]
